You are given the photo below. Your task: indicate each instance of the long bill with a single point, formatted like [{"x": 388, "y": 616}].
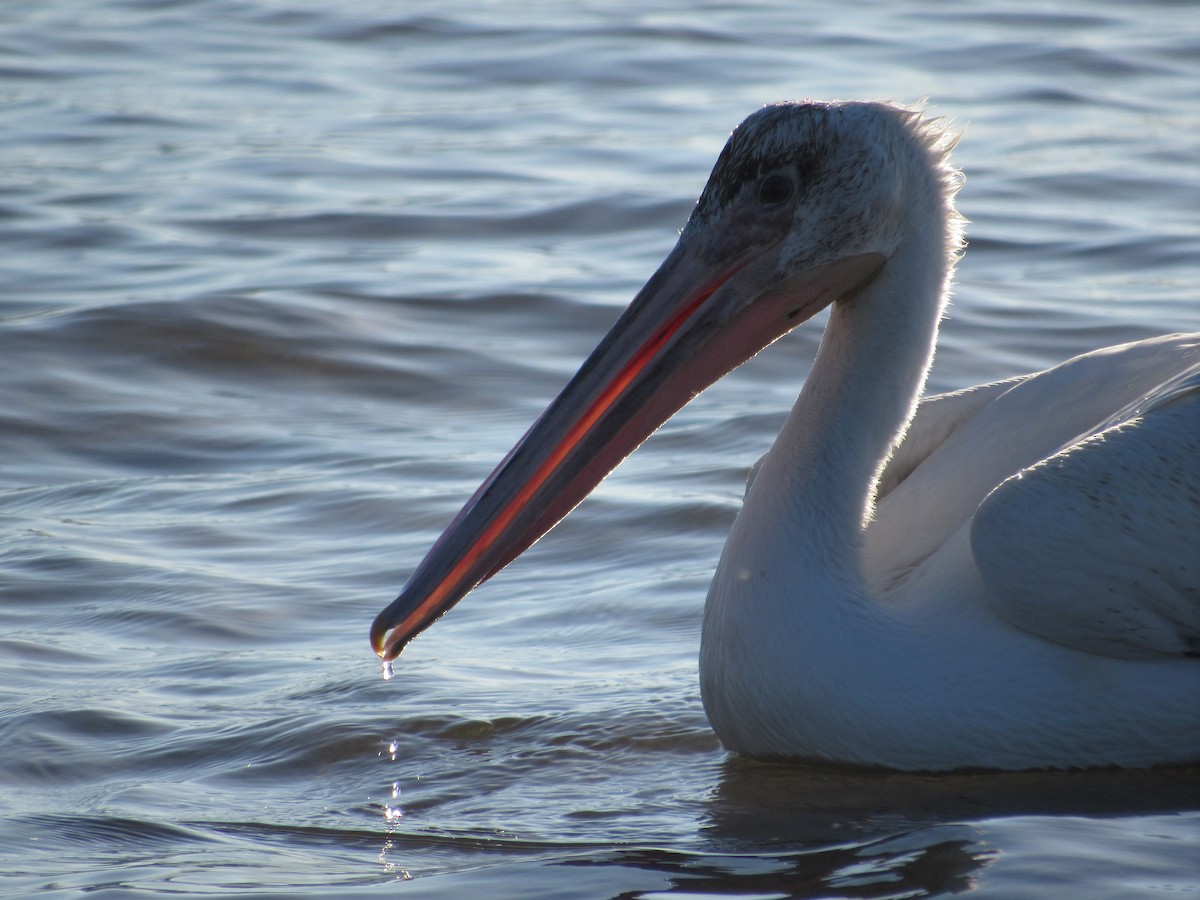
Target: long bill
[{"x": 693, "y": 322}]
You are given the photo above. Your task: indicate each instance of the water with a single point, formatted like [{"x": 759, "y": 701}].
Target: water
[{"x": 282, "y": 282}]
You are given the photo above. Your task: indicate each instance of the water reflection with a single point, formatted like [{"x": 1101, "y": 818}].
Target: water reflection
[
  {"x": 757, "y": 804},
  {"x": 791, "y": 831},
  {"x": 895, "y": 834},
  {"x": 927, "y": 863}
]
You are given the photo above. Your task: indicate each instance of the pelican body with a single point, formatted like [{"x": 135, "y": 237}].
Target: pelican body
[{"x": 1006, "y": 577}]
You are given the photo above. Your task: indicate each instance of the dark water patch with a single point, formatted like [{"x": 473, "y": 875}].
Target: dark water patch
[
  {"x": 341, "y": 346},
  {"x": 919, "y": 864},
  {"x": 420, "y": 26},
  {"x": 1049, "y": 19},
  {"x": 218, "y": 751},
  {"x": 89, "y": 236},
  {"x": 53, "y": 748},
  {"x": 128, "y": 119},
  {"x": 75, "y": 832},
  {"x": 292, "y": 748},
  {"x": 583, "y": 218},
  {"x": 34, "y": 73},
  {"x": 143, "y": 379},
  {"x": 902, "y": 866},
  {"x": 461, "y": 732},
  {"x": 551, "y": 315},
  {"x": 759, "y": 802},
  {"x": 36, "y": 653}
]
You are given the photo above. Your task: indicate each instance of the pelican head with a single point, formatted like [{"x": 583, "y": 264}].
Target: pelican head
[{"x": 807, "y": 204}]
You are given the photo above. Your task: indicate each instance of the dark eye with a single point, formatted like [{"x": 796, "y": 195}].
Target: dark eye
[{"x": 774, "y": 189}]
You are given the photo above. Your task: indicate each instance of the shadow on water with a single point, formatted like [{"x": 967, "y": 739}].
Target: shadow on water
[
  {"x": 879, "y": 834},
  {"x": 786, "y": 831},
  {"x": 763, "y": 804},
  {"x": 926, "y": 864}
]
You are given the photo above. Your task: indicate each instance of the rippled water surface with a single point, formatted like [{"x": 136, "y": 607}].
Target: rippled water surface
[{"x": 283, "y": 280}]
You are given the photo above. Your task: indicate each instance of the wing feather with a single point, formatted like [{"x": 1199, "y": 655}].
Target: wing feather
[
  {"x": 937, "y": 418},
  {"x": 1098, "y": 546}
]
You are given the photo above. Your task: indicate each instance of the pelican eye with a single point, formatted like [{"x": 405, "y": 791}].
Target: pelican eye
[{"x": 774, "y": 189}]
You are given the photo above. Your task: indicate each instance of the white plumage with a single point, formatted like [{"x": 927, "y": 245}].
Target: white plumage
[{"x": 1029, "y": 585}]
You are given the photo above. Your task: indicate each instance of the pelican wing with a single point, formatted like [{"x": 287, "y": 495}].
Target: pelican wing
[
  {"x": 937, "y": 418},
  {"x": 1098, "y": 546}
]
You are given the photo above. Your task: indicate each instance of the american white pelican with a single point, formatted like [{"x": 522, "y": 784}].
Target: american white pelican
[{"x": 1003, "y": 577}]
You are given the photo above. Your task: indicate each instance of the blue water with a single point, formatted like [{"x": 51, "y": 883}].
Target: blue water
[{"x": 283, "y": 280}]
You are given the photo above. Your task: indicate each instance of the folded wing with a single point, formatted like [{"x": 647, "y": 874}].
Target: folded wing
[{"x": 1098, "y": 546}]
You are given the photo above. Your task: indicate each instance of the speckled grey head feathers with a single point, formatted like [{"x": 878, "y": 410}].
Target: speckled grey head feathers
[
  {"x": 775, "y": 136},
  {"x": 830, "y": 147}
]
